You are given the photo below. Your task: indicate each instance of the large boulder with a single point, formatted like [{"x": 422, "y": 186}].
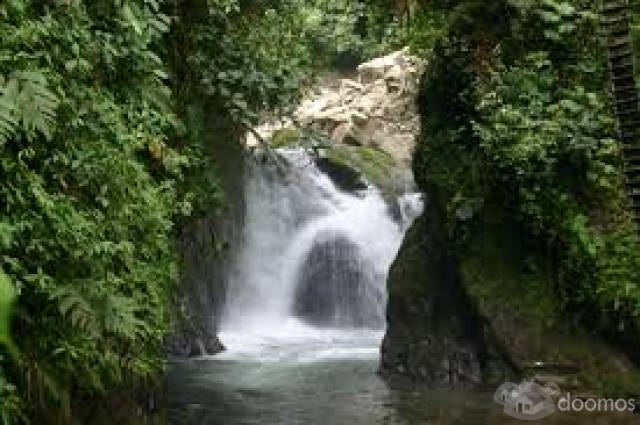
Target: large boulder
[
  {"x": 433, "y": 335},
  {"x": 335, "y": 288},
  {"x": 487, "y": 313}
]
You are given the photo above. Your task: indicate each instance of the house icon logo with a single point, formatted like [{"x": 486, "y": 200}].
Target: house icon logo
[{"x": 527, "y": 401}]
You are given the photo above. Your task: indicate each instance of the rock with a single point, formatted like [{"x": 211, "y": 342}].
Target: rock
[
  {"x": 206, "y": 242},
  {"x": 359, "y": 118},
  {"x": 191, "y": 341},
  {"x": 346, "y": 134},
  {"x": 431, "y": 334},
  {"x": 488, "y": 314},
  {"x": 334, "y": 289},
  {"x": 374, "y": 166},
  {"x": 377, "y": 68},
  {"x": 344, "y": 177},
  {"x": 360, "y": 112}
]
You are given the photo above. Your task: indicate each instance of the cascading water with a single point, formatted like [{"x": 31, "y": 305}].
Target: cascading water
[
  {"x": 312, "y": 255},
  {"x": 304, "y": 316}
]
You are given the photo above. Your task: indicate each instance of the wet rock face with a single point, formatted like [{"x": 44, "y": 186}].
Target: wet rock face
[
  {"x": 207, "y": 244},
  {"x": 190, "y": 338},
  {"x": 335, "y": 288},
  {"x": 432, "y": 334},
  {"x": 199, "y": 298},
  {"x": 481, "y": 317},
  {"x": 345, "y": 177}
]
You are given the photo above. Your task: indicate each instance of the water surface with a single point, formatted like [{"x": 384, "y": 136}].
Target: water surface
[{"x": 302, "y": 375}]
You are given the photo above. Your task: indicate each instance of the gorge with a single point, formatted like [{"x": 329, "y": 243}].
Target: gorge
[
  {"x": 345, "y": 212},
  {"x": 329, "y": 303}
]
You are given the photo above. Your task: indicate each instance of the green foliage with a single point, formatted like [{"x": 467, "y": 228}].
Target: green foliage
[
  {"x": 285, "y": 137},
  {"x": 89, "y": 201},
  {"x": 517, "y": 115},
  {"x": 7, "y": 298},
  {"x": 253, "y": 58},
  {"x": 26, "y": 103},
  {"x": 258, "y": 57},
  {"x": 99, "y": 171}
]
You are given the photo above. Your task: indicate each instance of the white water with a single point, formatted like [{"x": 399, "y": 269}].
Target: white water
[
  {"x": 276, "y": 363},
  {"x": 288, "y": 212}
]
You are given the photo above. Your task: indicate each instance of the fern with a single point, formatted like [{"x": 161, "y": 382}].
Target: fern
[
  {"x": 8, "y": 119},
  {"x": 73, "y": 305},
  {"x": 36, "y": 104},
  {"x": 26, "y": 104},
  {"x": 99, "y": 313},
  {"x": 117, "y": 316},
  {"x": 7, "y": 297}
]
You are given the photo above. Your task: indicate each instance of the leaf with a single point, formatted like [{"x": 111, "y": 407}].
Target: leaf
[
  {"x": 73, "y": 305},
  {"x": 131, "y": 18},
  {"x": 565, "y": 9},
  {"x": 548, "y": 16},
  {"x": 8, "y": 119},
  {"x": 7, "y": 297},
  {"x": 35, "y": 105}
]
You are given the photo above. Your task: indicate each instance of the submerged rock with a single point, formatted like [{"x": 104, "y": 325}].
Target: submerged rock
[{"x": 337, "y": 288}]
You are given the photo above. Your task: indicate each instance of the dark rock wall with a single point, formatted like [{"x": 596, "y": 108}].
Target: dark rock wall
[
  {"x": 433, "y": 333},
  {"x": 488, "y": 313},
  {"x": 208, "y": 244},
  {"x": 472, "y": 300}
]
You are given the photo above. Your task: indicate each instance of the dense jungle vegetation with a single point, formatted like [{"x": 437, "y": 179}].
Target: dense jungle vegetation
[
  {"x": 102, "y": 103},
  {"x": 518, "y": 118}
]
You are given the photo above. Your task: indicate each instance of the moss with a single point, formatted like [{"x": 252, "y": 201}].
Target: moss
[
  {"x": 408, "y": 272},
  {"x": 512, "y": 284},
  {"x": 377, "y": 166},
  {"x": 611, "y": 384},
  {"x": 285, "y": 137}
]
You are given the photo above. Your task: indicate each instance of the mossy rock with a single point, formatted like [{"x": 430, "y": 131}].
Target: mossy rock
[
  {"x": 343, "y": 176},
  {"x": 376, "y": 166},
  {"x": 492, "y": 303},
  {"x": 285, "y": 137}
]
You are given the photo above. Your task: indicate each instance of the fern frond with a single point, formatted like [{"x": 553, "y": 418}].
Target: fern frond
[
  {"x": 26, "y": 104},
  {"x": 8, "y": 118},
  {"x": 74, "y": 306},
  {"x": 36, "y": 104},
  {"x": 118, "y": 316},
  {"x": 99, "y": 313}
]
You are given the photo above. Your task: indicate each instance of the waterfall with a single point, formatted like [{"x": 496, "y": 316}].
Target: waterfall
[{"x": 310, "y": 252}]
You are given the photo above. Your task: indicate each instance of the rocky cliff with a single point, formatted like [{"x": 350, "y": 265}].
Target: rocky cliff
[
  {"x": 207, "y": 243},
  {"x": 487, "y": 314},
  {"x": 362, "y": 128},
  {"x": 474, "y": 296}
]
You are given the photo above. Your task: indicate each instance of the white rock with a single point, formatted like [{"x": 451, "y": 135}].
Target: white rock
[{"x": 379, "y": 109}]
